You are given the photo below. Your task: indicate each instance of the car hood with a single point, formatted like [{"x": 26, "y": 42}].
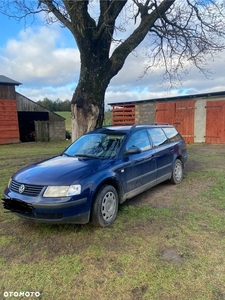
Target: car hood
[{"x": 59, "y": 170}]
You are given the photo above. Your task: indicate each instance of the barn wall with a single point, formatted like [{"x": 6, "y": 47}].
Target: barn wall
[
  {"x": 41, "y": 131},
  {"x": 215, "y": 122},
  {"x": 180, "y": 114},
  {"x": 7, "y": 92},
  {"x": 145, "y": 113},
  {"x": 210, "y": 120},
  {"x": 57, "y": 131},
  {"x": 9, "y": 129},
  {"x": 25, "y": 104},
  {"x": 55, "y": 122},
  {"x": 200, "y": 121}
]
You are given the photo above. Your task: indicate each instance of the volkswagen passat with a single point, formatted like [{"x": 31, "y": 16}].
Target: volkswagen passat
[{"x": 96, "y": 173}]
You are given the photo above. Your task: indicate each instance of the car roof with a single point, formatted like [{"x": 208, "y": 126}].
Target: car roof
[{"x": 128, "y": 128}]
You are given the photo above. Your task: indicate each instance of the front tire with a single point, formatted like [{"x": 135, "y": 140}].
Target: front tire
[
  {"x": 105, "y": 206},
  {"x": 177, "y": 174}
]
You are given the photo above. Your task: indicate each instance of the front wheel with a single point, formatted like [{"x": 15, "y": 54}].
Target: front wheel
[
  {"x": 105, "y": 206},
  {"x": 177, "y": 174}
]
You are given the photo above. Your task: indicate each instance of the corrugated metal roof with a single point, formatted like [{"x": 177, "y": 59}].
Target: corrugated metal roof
[
  {"x": 178, "y": 97},
  {"x": 8, "y": 81}
]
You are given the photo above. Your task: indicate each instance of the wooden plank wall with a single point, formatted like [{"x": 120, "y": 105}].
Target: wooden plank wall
[
  {"x": 9, "y": 129},
  {"x": 180, "y": 114},
  {"x": 123, "y": 114},
  {"x": 215, "y": 122}
]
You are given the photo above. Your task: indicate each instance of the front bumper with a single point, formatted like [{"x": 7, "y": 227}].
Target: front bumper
[{"x": 67, "y": 212}]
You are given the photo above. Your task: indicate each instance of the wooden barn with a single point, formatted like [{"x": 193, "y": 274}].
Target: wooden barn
[
  {"x": 23, "y": 120},
  {"x": 199, "y": 118},
  {"x": 9, "y": 126}
]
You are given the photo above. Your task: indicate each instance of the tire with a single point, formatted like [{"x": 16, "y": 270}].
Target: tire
[
  {"x": 177, "y": 174},
  {"x": 105, "y": 206}
]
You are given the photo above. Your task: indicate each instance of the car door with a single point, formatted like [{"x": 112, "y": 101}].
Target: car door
[
  {"x": 164, "y": 153},
  {"x": 140, "y": 165}
]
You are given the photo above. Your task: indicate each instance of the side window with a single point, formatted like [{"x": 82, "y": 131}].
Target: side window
[
  {"x": 172, "y": 134},
  {"x": 158, "y": 136},
  {"x": 140, "y": 140}
]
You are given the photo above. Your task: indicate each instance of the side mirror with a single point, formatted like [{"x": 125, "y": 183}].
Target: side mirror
[{"x": 132, "y": 150}]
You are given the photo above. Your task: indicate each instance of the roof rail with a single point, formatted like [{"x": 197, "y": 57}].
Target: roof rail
[
  {"x": 146, "y": 124},
  {"x": 158, "y": 123}
]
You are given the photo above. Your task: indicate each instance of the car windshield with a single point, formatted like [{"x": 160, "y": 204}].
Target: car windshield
[{"x": 96, "y": 145}]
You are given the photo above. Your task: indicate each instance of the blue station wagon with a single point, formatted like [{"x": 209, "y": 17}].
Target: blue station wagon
[{"x": 96, "y": 173}]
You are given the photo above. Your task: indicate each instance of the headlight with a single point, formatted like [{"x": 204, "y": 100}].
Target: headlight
[{"x": 62, "y": 191}]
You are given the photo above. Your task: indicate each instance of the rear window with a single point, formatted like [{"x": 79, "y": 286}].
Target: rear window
[
  {"x": 172, "y": 134},
  {"x": 158, "y": 136}
]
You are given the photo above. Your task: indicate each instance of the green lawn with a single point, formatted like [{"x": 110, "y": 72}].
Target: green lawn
[{"x": 166, "y": 244}]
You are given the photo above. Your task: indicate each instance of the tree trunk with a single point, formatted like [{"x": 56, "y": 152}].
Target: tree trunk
[
  {"x": 83, "y": 121},
  {"x": 87, "y": 106}
]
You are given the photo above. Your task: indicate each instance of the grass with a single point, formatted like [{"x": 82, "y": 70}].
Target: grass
[{"x": 167, "y": 243}]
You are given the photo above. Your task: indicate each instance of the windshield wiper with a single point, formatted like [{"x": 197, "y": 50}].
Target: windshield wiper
[
  {"x": 64, "y": 153},
  {"x": 85, "y": 155}
]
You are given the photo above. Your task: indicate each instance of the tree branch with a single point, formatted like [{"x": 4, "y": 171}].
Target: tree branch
[
  {"x": 147, "y": 22},
  {"x": 109, "y": 11},
  {"x": 58, "y": 11}
]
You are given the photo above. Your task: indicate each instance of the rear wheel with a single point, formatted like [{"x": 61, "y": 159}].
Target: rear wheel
[
  {"x": 177, "y": 174},
  {"x": 105, "y": 206}
]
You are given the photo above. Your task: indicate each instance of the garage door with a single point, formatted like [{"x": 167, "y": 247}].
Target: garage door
[
  {"x": 180, "y": 114},
  {"x": 215, "y": 122}
]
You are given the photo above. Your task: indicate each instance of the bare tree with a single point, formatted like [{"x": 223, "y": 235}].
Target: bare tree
[{"x": 178, "y": 35}]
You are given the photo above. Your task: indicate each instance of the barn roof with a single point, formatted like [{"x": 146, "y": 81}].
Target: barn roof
[
  {"x": 178, "y": 97},
  {"x": 26, "y": 104},
  {"x": 6, "y": 80}
]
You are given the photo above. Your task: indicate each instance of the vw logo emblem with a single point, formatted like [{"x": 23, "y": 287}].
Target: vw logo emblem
[{"x": 21, "y": 188}]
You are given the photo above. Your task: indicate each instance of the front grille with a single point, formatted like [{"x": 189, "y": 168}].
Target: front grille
[{"x": 28, "y": 189}]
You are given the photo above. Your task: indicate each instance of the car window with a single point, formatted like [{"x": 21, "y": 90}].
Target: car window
[
  {"x": 158, "y": 136},
  {"x": 140, "y": 140},
  {"x": 172, "y": 134},
  {"x": 96, "y": 145}
]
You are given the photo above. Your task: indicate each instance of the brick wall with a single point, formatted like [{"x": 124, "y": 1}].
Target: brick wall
[
  {"x": 57, "y": 130},
  {"x": 145, "y": 113}
]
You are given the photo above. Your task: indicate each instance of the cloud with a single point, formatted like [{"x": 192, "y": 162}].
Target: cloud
[
  {"x": 47, "y": 62},
  {"x": 129, "y": 85},
  {"x": 36, "y": 59}
]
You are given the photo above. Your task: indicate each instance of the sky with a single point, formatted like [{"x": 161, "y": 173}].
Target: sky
[{"x": 45, "y": 59}]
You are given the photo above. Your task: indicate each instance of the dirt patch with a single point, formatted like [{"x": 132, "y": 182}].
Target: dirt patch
[
  {"x": 138, "y": 292},
  {"x": 171, "y": 254}
]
